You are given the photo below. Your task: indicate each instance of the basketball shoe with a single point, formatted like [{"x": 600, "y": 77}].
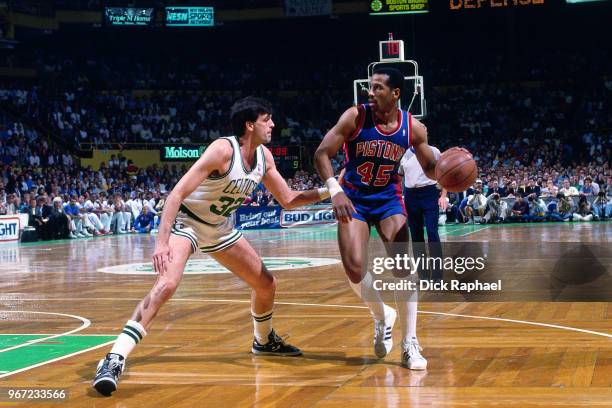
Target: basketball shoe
[
  {"x": 411, "y": 355},
  {"x": 107, "y": 374},
  {"x": 383, "y": 339},
  {"x": 275, "y": 346}
]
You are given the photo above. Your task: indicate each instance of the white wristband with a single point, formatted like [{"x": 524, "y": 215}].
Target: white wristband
[
  {"x": 323, "y": 193},
  {"x": 333, "y": 186}
]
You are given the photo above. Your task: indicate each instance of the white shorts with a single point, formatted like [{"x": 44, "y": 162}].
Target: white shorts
[{"x": 206, "y": 238}]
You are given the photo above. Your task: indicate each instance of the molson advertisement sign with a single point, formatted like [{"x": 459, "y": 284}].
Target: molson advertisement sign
[{"x": 181, "y": 152}]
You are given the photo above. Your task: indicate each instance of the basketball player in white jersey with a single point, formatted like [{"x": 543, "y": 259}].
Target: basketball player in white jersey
[{"x": 197, "y": 217}]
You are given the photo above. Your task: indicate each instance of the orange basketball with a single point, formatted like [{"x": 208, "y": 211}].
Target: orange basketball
[{"x": 456, "y": 170}]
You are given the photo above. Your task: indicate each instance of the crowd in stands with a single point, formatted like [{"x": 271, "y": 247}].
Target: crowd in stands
[
  {"x": 93, "y": 101},
  {"x": 65, "y": 200},
  {"x": 505, "y": 200},
  {"x": 536, "y": 142}
]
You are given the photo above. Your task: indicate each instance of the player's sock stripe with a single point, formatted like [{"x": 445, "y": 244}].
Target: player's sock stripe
[
  {"x": 134, "y": 330},
  {"x": 129, "y": 333},
  {"x": 263, "y": 318}
]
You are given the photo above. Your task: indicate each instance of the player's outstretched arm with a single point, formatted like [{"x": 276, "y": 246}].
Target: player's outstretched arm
[
  {"x": 286, "y": 197},
  {"x": 215, "y": 158},
  {"x": 331, "y": 143}
]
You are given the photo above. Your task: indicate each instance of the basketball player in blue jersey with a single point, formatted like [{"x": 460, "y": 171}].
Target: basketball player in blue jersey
[
  {"x": 375, "y": 137},
  {"x": 197, "y": 217}
]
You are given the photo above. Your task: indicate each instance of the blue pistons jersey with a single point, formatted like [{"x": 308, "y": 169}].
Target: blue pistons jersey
[{"x": 371, "y": 178}]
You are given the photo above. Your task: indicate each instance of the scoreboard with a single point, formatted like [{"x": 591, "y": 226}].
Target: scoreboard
[
  {"x": 286, "y": 158},
  {"x": 499, "y": 4}
]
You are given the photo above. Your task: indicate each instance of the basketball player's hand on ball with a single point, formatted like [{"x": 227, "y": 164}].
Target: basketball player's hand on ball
[
  {"x": 343, "y": 207},
  {"x": 460, "y": 149},
  {"x": 161, "y": 257}
]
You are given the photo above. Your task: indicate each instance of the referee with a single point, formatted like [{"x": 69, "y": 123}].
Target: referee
[{"x": 422, "y": 198}]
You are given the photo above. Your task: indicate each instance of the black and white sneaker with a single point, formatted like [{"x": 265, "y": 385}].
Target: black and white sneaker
[
  {"x": 275, "y": 346},
  {"x": 411, "y": 355},
  {"x": 383, "y": 333},
  {"x": 107, "y": 374}
]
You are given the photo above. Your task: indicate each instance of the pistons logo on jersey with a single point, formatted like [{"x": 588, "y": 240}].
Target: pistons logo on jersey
[{"x": 373, "y": 154}]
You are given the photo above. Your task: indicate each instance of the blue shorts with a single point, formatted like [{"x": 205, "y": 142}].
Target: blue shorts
[{"x": 375, "y": 206}]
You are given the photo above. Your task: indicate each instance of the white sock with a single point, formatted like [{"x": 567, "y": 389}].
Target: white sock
[
  {"x": 407, "y": 303},
  {"x": 369, "y": 296},
  {"x": 132, "y": 334},
  {"x": 262, "y": 325}
]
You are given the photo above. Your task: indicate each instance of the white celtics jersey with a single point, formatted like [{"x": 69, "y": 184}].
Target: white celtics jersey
[{"x": 218, "y": 197}]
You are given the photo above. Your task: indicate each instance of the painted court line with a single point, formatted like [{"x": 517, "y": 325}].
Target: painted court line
[
  {"x": 85, "y": 324},
  {"x": 473, "y": 232},
  {"x": 49, "y": 334},
  {"x": 364, "y": 307},
  {"x": 55, "y": 359},
  {"x": 452, "y": 232},
  {"x": 553, "y": 326},
  {"x": 501, "y": 319}
]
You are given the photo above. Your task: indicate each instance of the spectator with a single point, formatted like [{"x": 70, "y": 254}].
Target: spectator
[
  {"x": 553, "y": 213},
  {"x": 477, "y": 203},
  {"x": 537, "y": 208},
  {"x": 520, "y": 210},
  {"x": 496, "y": 209},
  {"x": 583, "y": 212},
  {"x": 589, "y": 188},
  {"x": 260, "y": 199},
  {"x": 12, "y": 204},
  {"x": 38, "y": 217},
  {"x": 568, "y": 190},
  {"x": 145, "y": 221},
  {"x": 120, "y": 221},
  {"x": 494, "y": 188},
  {"x": 59, "y": 225},
  {"x": 565, "y": 206},
  {"x": 76, "y": 217},
  {"x": 602, "y": 206},
  {"x": 462, "y": 215}
]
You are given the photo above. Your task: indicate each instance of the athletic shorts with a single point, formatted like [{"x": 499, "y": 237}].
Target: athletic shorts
[
  {"x": 205, "y": 237},
  {"x": 374, "y": 206}
]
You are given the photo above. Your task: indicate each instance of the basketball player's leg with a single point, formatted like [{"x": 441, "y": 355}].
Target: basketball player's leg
[
  {"x": 353, "y": 238},
  {"x": 242, "y": 260},
  {"x": 393, "y": 232},
  {"x": 110, "y": 368},
  {"x": 166, "y": 284}
]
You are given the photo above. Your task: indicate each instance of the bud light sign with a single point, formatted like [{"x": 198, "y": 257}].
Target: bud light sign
[
  {"x": 307, "y": 216},
  {"x": 9, "y": 228}
]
